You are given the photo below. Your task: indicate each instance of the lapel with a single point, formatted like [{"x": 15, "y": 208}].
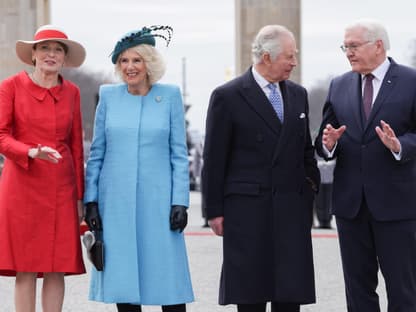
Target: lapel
[
  {"x": 386, "y": 89},
  {"x": 258, "y": 101},
  {"x": 356, "y": 101},
  {"x": 289, "y": 102}
]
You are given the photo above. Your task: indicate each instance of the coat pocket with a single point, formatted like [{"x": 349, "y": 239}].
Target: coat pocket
[{"x": 241, "y": 188}]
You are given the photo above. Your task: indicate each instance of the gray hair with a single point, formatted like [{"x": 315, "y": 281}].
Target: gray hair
[
  {"x": 373, "y": 31},
  {"x": 153, "y": 60},
  {"x": 268, "y": 40}
]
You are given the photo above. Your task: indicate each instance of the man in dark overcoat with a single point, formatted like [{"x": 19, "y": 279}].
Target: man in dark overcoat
[{"x": 259, "y": 180}]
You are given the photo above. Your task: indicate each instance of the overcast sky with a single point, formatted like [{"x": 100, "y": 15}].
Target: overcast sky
[{"x": 204, "y": 35}]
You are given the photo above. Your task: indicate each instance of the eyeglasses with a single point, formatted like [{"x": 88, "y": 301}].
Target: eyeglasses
[{"x": 354, "y": 46}]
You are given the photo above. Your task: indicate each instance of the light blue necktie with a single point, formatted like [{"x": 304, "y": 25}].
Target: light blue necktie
[{"x": 275, "y": 100}]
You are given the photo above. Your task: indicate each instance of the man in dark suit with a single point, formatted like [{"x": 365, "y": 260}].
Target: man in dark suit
[
  {"x": 258, "y": 179},
  {"x": 369, "y": 126}
]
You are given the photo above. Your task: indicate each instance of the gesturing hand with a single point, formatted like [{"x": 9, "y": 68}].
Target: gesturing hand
[
  {"x": 178, "y": 218},
  {"x": 331, "y": 135},
  {"x": 388, "y": 137}
]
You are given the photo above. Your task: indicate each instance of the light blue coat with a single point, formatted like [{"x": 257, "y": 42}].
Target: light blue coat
[{"x": 138, "y": 169}]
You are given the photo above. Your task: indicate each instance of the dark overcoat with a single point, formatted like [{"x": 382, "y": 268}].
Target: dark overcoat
[{"x": 257, "y": 174}]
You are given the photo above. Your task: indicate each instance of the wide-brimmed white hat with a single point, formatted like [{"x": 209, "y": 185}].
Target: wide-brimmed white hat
[{"x": 75, "y": 55}]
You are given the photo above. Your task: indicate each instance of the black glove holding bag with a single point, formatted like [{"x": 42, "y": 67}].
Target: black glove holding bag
[
  {"x": 92, "y": 217},
  {"x": 178, "y": 218}
]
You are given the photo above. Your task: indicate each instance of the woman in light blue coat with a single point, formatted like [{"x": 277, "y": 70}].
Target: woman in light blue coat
[{"x": 137, "y": 182}]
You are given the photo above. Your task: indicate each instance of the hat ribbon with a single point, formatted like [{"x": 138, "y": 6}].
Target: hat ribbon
[{"x": 49, "y": 33}]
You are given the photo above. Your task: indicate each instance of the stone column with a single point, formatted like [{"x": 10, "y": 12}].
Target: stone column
[
  {"x": 19, "y": 19},
  {"x": 251, "y": 15}
]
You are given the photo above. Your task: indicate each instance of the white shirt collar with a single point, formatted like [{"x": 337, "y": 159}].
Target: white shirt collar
[
  {"x": 380, "y": 71},
  {"x": 259, "y": 78}
]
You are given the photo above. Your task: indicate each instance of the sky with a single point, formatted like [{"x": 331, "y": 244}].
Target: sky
[{"x": 204, "y": 36}]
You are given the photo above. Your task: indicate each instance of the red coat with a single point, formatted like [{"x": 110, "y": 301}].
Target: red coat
[{"x": 39, "y": 229}]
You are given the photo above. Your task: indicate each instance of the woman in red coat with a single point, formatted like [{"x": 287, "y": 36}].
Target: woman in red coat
[{"x": 41, "y": 186}]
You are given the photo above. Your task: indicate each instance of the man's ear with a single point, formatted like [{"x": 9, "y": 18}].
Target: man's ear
[{"x": 266, "y": 58}]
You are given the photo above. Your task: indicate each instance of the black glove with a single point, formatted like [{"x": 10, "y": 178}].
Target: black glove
[
  {"x": 178, "y": 218},
  {"x": 92, "y": 217}
]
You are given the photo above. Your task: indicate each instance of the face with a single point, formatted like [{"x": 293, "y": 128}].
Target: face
[
  {"x": 363, "y": 55},
  {"x": 49, "y": 56},
  {"x": 133, "y": 68},
  {"x": 280, "y": 68}
]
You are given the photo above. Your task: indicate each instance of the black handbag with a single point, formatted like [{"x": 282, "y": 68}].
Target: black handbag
[{"x": 94, "y": 244}]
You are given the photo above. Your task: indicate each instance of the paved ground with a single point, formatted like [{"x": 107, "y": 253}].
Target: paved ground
[{"x": 204, "y": 251}]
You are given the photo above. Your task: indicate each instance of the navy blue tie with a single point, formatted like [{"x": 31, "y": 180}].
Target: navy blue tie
[{"x": 275, "y": 100}]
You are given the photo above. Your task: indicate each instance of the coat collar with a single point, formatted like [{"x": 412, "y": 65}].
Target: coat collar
[
  {"x": 39, "y": 92},
  {"x": 256, "y": 98},
  {"x": 387, "y": 86},
  {"x": 355, "y": 90}
]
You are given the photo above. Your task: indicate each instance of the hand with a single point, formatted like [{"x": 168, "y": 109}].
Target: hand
[
  {"x": 178, "y": 218},
  {"x": 388, "y": 137},
  {"x": 331, "y": 135},
  {"x": 217, "y": 225},
  {"x": 92, "y": 217},
  {"x": 46, "y": 153}
]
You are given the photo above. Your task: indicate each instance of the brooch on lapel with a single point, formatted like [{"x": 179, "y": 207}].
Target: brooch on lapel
[
  {"x": 302, "y": 115},
  {"x": 158, "y": 98}
]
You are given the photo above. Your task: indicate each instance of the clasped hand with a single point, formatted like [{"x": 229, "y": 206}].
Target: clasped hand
[{"x": 46, "y": 153}]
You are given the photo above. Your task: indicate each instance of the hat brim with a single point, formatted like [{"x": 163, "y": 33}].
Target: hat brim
[{"x": 75, "y": 55}]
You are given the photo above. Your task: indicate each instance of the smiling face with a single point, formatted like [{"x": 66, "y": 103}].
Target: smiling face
[
  {"x": 364, "y": 55},
  {"x": 49, "y": 56},
  {"x": 132, "y": 68}
]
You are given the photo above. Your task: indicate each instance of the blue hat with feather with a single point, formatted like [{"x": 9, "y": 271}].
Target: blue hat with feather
[{"x": 146, "y": 35}]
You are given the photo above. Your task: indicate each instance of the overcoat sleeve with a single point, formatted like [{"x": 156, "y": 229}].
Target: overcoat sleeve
[
  {"x": 216, "y": 154},
  {"x": 77, "y": 149},
  {"x": 178, "y": 152},
  {"x": 312, "y": 171},
  {"x": 11, "y": 148}
]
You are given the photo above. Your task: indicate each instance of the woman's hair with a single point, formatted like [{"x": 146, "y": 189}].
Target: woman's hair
[
  {"x": 373, "y": 31},
  {"x": 268, "y": 40},
  {"x": 153, "y": 60}
]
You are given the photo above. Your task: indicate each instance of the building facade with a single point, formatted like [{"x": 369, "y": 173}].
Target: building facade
[
  {"x": 19, "y": 19},
  {"x": 251, "y": 15}
]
